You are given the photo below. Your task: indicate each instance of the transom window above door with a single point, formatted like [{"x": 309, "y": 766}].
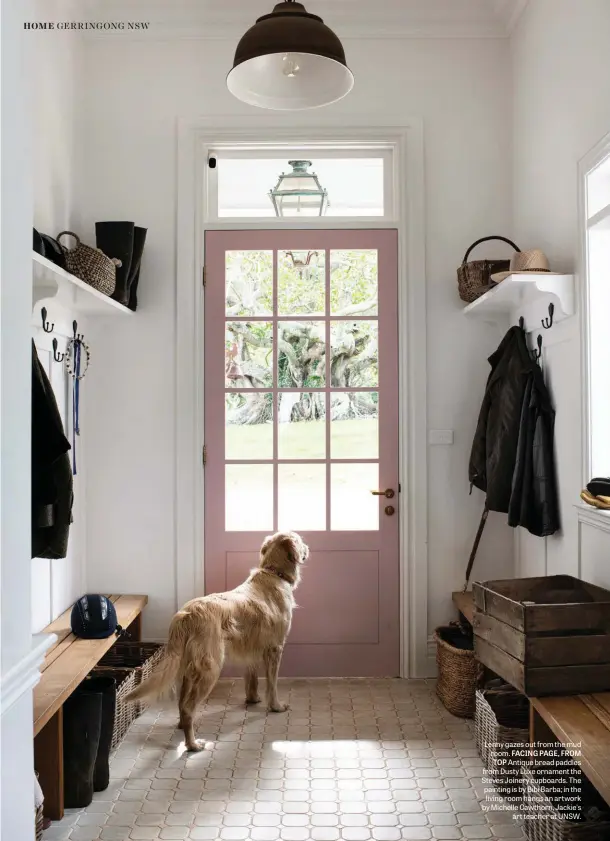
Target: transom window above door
[{"x": 300, "y": 183}]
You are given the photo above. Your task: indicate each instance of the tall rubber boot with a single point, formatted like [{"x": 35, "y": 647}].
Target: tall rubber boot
[
  {"x": 115, "y": 239},
  {"x": 106, "y": 686},
  {"x": 82, "y": 724},
  {"x": 134, "y": 274}
]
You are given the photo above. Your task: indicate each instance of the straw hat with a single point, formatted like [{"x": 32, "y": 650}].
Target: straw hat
[{"x": 534, "y": 260}]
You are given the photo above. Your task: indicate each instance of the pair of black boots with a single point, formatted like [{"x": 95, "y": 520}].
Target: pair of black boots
[
  {"x": 88, "y": 723},
  {"x": 125, "y": 241}
]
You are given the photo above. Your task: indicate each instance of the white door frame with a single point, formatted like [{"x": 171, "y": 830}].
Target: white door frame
[{"x": 194, "y": 139}]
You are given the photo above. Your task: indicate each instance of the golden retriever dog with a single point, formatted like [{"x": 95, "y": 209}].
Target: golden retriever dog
[{"x": 248, "y": 625}]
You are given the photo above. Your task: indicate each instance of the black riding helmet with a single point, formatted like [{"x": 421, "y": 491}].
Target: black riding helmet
[{"x": 94, "y": 617}]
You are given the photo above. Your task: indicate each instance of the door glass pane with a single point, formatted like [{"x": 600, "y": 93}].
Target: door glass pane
[
  {"x": 352, "y": 506},
  {"x": 354, "y": 428},
  {"x": 249, "y": 283},
  {"x": 248, "y": 497},
  {"x": 301, "y": 426},
  {"x": 353, "y": 282},
  {"x": 301, "y": 283},
  {"x": 354, "y": 354},
  {"x": 248, "y": 425},
  {"x": 248, "y": 354},
  {"x": 301, "y": 354},
  {"x": 301, "y": 497}
]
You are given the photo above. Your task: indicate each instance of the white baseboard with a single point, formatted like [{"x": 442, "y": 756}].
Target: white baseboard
[{"x": 25, "y": 674}]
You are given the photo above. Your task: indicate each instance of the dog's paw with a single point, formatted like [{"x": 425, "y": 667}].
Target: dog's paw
[
  {"x": 195, "y": 747},
  {"x": 278, "y": 708},
  {"x": 255, "y": 700}
]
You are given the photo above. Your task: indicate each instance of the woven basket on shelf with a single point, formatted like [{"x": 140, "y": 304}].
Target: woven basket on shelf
[
  {"x": 474, "y": 277},
  {"x": 126, "y": 713},
  {"x": 548, "y": 824},
  {"x": 457, "y": 670},
  {"x": 142, "y": 657},
  {"x": 502, "y": 725},
  {"x": 90, "y": 264}
]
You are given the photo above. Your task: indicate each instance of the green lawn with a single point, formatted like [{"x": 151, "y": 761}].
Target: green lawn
[{"x": 305, "y": 440}]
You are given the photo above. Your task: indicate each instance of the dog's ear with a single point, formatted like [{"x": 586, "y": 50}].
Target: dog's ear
[{"x": 266, "y": 544}]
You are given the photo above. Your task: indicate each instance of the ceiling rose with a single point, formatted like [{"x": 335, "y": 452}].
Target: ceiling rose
[{"x": 290, "y": 61}]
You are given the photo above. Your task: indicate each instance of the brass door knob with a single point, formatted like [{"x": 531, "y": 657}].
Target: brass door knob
[
  {"x": 389, "y": 510},
  {"x": 388, "y": 494}
]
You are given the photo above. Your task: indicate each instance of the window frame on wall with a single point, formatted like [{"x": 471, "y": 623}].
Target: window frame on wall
[
  {"x": 263, "y": 151},
  {"x": 593, "y": 160}
]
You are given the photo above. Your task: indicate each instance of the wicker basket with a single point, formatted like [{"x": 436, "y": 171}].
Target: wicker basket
[
  {"x": 90, "y": 265},
  {"x": 126, "y": 713},
  {"x": 474, "y": 278},
  {"x": 39, "y": 818},
  {"x": 142, "y": 657},
  {"x": 502, "y": 725},
  {"x": 547, "y": 823},
  {"x": 457, "y": 670},
  {"x": 39, "y": 822}
]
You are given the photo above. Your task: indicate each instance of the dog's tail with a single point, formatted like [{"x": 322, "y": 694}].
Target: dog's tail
[
  {"x": 162, "y": 679},
  {"x": 166, "y": 674}
]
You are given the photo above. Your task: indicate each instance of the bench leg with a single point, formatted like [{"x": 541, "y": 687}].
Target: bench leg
[{"x": 49, "y": 762}]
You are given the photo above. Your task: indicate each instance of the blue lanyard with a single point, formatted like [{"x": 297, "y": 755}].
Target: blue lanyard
[{"x": 75, "y": 402}]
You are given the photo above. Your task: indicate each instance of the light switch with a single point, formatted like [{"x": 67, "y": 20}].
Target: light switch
[{"x": 440, "y": 436}]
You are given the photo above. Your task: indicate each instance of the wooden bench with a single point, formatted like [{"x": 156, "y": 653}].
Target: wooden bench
[
  {"x": 568, "y": 719},
  {"x": 67, "y": 663},
  {"x": 578, "y": 718}
]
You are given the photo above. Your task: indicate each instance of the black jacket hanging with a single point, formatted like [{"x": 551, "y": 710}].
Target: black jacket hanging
[
  {"x": 52, "y": 494},
  {"x": 512, "y": 452}
]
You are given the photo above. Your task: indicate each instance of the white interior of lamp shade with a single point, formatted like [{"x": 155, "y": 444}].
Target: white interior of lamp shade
[{"x": 262, "y": 82}]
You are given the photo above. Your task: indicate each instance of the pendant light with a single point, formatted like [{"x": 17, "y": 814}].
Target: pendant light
[{"x": 290, "y": 61}]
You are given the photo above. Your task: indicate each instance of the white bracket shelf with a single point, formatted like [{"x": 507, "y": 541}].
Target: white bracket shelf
[
  {"x": 526, "y": 295},
  {"x": 50, "y": 282}
]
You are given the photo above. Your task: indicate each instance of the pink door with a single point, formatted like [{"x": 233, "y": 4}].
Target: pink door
[{"x": 301, "y": 427}]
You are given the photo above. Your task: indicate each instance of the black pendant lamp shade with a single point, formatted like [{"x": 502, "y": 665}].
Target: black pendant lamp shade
[{"x": 289, "y": 61}]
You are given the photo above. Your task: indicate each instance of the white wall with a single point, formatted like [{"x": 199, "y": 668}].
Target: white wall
[
  {"x": 17, "y": 773},
  {"x": 461, "y": 88},
  {"x": 55, "y": 69},
  {"x": 560, "y": 55}
]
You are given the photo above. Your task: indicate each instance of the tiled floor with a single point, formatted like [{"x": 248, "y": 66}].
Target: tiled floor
[{"x": 356, "y": 760}]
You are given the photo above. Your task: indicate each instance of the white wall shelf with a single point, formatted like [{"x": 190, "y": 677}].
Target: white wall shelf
[
  {"x": 526, "y": 294},
  {"x": 51, "y": 282}
]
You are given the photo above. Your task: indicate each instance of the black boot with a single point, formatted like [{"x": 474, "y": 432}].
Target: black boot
[
  {"x": 115, "y": 239},
  {"x": 134, "y": 274},
  {"x": 106, "y": 686},
  {"x": 82, "y": 724}
]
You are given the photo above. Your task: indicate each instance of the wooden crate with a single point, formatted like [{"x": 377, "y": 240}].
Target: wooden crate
[{"x": 545, "y": 636}]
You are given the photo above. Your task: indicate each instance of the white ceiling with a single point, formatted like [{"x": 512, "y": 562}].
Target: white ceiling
[{"x": 349, "y": 18}]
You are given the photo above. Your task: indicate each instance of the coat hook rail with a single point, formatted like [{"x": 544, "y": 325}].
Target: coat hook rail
[
  {"x": 45, "y": 323},
  {"x": 548, "y": 322}
]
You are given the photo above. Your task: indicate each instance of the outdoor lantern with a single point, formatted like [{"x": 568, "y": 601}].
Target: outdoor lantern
[
  {"x": 299, "y": 193},
  {"x": 288, "y": 61}
]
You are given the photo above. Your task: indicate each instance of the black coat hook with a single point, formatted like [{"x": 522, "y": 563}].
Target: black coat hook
[
  {"x": 78, "y": 337},
  {"x": 548, "y": 322},
  {"x": 58, "y": 357},
  {"x": 537, "y": 354},
  {"x": 522, "y": 323},
  {"x": 45, "y": 323}
]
